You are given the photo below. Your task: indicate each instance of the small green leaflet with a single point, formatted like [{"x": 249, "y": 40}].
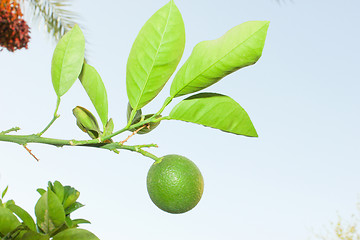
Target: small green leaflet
[
  {"x": 216, "y": 111},
  {"x": 95, "y": 88},
  {"x": 4, "y": 192},
  {"x": 212, "y": 60},
  {"x": 67, "y": 60},
  {"x": 155, "y": 54}
]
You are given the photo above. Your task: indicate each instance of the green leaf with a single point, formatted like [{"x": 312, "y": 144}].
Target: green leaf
[
  {"x": 155, "y": 55},
  {"x": 9, "y": 202},
  {"x": 216, "y": 111},
  {"x": 212, "y": 60},
  {"x": 41, "y": 191},
  {"x": 4, "y": 192},
  {"x": 67, "y": 60},
  {"x": 71, "y": 195},
  {"x": 23, "y": 215},
  {"x": 68, "y": 222},
  {"x": 73, "y": 207},
  {"x": 49, "y": 212},
  {"x": 95, "y": 88},
  {"x": 30, "y": 235},
  {"x": 8, "y": 221},
  {"x": 75, "y": 234},
  {"x": 59, "y": 190},
  {"x": 80, "y": 221}
]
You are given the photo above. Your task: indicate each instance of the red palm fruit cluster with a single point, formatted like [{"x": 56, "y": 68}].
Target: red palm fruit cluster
[{"x": 14, "y": 31}]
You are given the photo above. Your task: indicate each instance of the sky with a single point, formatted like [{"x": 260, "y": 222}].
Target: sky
[{"x": 302, "y": 96}]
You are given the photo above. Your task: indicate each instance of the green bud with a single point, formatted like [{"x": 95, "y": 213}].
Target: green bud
[
  {"x": 109, "y": 128},
  {"x": 137, "y": 117},
  {"x": 86, "y": 122},
  {"x": 150, "y": 126}
]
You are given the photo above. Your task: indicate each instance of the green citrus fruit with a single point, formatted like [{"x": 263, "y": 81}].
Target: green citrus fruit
[{"x": 175, "y": 184}]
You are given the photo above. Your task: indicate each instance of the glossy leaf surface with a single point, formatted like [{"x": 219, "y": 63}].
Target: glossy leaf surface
[
  {"x": 95, "y": 88},
  {"x": 155, "y": 55},
  {"x": 67, "y": 60},
  {"x": 212, "y": 60},
  {"x": 216, "y": 111},
  {"x": 49, "y": 212},
  {"x": 23, "y": 215},
  {"x": 75, "y": 234}
]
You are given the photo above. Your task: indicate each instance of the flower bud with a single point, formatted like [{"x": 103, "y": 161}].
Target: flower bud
[{"x": 86, "y": 122}]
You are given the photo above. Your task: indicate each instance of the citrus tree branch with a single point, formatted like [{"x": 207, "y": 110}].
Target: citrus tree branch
[{"x": 34, "y": 138}]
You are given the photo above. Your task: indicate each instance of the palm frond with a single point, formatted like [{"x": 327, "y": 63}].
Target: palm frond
[{"x": 54, "y": 14}]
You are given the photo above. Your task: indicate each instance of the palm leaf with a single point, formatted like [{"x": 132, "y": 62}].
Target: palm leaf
[{"x": 54, "y": 14}]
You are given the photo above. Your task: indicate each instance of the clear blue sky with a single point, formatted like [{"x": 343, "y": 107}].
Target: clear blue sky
[{"x": 302, "y": 95}]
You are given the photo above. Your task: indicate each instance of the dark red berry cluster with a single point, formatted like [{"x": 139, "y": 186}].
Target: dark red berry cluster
[{"x": 14, "y": 31}]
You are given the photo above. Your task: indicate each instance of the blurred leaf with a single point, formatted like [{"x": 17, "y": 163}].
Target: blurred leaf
[
  {"x": 49, "y": 212},
  {"x": 41, "y": 191},
  {"x": 75, "y": 234},
  {"x": 50, "y": 185},
  {"x": 155, "y": 55},
  {"x": 212, "y": 60},
  {"x": 68, "y": 222},
  {"x": 73, "y": 207},
  {"x": 8, "y": 221},
  {"x": 23, "y": 215},
  {"x": 9, "y": 202},
  {"x": 216, "y": 111},
  {"x": 59, "y": 190},
  {"x": 4, "y": 192},
  {"x": 71, "y": 195},
  {"x": 95, "y": 88},
  {"x": 30, "y": 235},
  {"x": 67, "y": 60},
  {"x": 80, "y": 221}
]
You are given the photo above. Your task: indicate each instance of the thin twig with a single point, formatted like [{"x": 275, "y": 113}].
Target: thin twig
[
  {"x": 135, "y": 132},
  {"x": 29, "y": 151},
  {"x": 14, "y": 129}
]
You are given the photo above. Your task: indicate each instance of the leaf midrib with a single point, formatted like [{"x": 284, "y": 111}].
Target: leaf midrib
[
  {"x": 156, "y": 55},
  {"x": 62, "y": 64}
]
